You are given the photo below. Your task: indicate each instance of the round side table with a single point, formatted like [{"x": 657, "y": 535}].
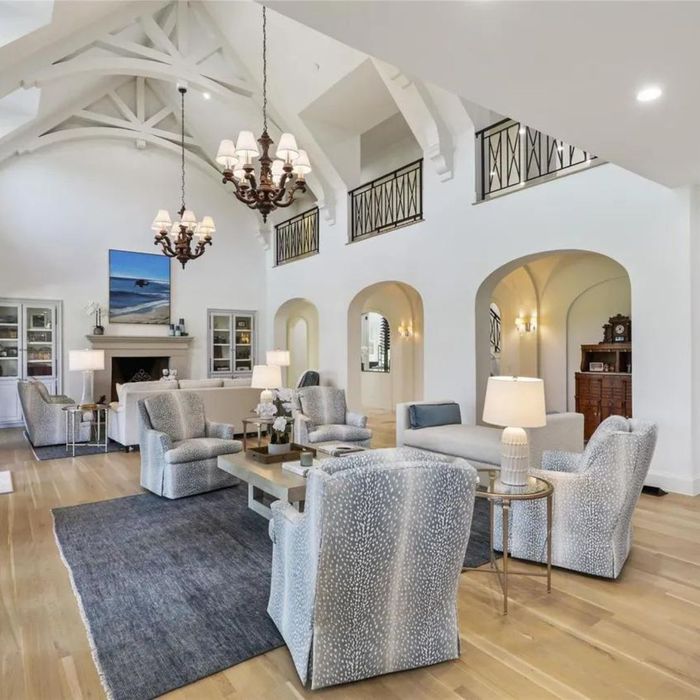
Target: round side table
[
  {"x": 99, "y": 420},
  {"x": 498, "y": 492}
]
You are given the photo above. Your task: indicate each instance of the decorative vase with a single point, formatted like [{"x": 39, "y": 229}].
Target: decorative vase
[
  {"x": 98, "y": 330},
  {"x": 278, "y": 448}
]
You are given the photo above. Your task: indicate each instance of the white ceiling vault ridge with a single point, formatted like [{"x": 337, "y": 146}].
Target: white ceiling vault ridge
[{"x": 132, "y": 63}]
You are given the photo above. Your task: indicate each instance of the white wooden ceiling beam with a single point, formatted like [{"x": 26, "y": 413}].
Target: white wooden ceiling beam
[
  {"x": 123, "y": 107},
  {"x": 182, "y": 27},
  {"x": 126, "y": 46},
  {"x": 158, "y": 117},
  {"x": 159, "y": 38},
  {"x": 140, "y": 98}
]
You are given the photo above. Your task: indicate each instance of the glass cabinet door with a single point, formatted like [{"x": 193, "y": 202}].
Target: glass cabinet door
[
  {"x": 40, "y": 356},
  {"x": 244, "y": 344},
  {"x": 221, "y": 344},
  {"x": 10, "y": 341}
]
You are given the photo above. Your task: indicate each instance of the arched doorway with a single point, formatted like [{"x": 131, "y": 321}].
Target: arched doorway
[
  {"x": 385, "y": 346},
  {"x": 296, "y": 330},
  {"x": 550, "y": 304}
]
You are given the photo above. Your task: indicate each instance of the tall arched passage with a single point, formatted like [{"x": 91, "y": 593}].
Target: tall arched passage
[
  {"x": 402, "y": 308},
  {"x": 296, "y": 330},
  {"x": 551, "y": 303}
]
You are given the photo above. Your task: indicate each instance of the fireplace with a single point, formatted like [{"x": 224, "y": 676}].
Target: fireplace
[{"x": 136, "y": 369}]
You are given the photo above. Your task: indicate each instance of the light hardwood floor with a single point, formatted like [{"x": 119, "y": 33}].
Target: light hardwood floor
[{"x": 637, "y": 637}]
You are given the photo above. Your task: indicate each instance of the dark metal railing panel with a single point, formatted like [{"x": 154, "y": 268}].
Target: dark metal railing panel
[
  {"x": 297, "y": 237},
  {"x": 513, "y": 155},
  {"x": 387, "y": 202}
]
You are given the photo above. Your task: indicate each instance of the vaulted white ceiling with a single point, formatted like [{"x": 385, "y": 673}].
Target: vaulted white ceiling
[{"x": 570, "y": 69}]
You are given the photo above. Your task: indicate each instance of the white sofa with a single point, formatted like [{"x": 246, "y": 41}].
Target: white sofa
[
  {"x": 225, "y": 401},
  {"x": 480, "y": 445}
]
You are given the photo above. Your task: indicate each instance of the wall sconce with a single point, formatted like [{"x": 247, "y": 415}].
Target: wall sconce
[
  {"x": 526, "y": 324},
  {"x": 405, "y": 330}
]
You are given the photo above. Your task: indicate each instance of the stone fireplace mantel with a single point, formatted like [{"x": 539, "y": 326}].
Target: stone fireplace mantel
[{"x": 175, "y": 348}]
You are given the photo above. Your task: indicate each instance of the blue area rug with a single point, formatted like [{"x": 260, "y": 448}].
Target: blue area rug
[
  {"x": 173, "y": 591},
  {"x": 60, "y": 451}
]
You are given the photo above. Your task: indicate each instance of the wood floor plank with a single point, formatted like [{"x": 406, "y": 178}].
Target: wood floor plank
[{"x": 590, "y": 638}]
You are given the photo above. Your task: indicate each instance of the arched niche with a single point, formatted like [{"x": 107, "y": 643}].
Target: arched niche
[
  {"x": 401, "y": 305},
  {"x": 296, "y": 329}
]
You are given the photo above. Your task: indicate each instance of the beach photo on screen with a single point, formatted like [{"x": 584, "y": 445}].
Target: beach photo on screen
[{"x": 139, "y": 288}]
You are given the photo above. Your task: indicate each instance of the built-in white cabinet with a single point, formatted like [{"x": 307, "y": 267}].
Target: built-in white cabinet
[
  {"x": 231, "y": 342},
  {"x": 30, "y": 346}
]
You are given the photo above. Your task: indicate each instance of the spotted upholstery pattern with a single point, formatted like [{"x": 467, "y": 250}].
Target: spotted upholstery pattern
[
  {"x": 320, "y": 415},
  {"x": 179, "y": 414},
  {"x": 44, "y": 417},
  {"x": 364, "y": 582},
  {"x": 174, "y": 466},
  {"x": 595, "y": 494}
]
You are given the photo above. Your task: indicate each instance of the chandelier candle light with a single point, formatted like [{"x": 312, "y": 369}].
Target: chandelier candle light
[
  {"x": 280, "y": 179},
  {"x": 176, "y": 238}
]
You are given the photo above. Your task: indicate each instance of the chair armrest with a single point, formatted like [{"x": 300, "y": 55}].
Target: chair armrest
[
  {"x": 225, "y": 431},
  {"x": 60, "y": 399},
  {"x": 284, "y": 515},
  {"x": 560, "y": 461},
  {"x": 302, "y": 424},
  {"x": 357, "y": 420},
  {"x": 157, "y": 442}
]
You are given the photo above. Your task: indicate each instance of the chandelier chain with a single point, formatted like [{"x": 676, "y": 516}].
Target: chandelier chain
[
  {"x": 264, "y": 14},
  {"x": 182, "y": 150}
]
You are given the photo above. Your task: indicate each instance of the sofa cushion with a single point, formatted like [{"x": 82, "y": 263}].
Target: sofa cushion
[
  {"x": 428, "y": 415},
  {"x": 341, "y": 432},
  {"x": 179, "y": 414},
  {"x": 201, "y": 383},
  {"x": 122, "y": 389},
  {"x": 198, "y": 449},
  {"x": 477, "y": 442},
  {"x": 239, "y": 381},
  {"x": 323, "y": 405}
]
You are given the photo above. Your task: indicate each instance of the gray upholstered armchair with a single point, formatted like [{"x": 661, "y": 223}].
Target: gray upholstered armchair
[
  {"x": 364, "y": 581},
  {"x": 321, "y": 415},
  {"x": 595, "y": 494},
  {"x": 44, "y": 417},
  {"x": 179, "y": 446}
]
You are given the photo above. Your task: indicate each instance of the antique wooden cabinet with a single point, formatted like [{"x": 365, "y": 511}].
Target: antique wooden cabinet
[{"x": 604, "y": 384}]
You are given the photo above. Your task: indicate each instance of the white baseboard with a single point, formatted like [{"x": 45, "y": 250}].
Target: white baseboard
[{"x": 673, "y": 483}]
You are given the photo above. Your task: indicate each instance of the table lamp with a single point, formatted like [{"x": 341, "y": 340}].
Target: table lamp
[
  {"x": 266, "y": 377},
  {"x": 515, "y": 403},
  {"x": 86, "y": 361}
]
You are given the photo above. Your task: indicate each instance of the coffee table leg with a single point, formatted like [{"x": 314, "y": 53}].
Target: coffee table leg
[
  {"x": 506, "y": 525},
  {"x": 549, "y": 543}
]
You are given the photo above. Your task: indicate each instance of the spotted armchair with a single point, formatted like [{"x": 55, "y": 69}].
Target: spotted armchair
[
  {"x": 179, "y": 446},
  {"x": 364, "y": 581},
  {"x": 321, "y": 415},
  {"x": 595, "y": 494}
]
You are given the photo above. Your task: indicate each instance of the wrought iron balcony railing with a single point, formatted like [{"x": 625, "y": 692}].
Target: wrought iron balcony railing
[
  {"x": 388, "y": 202},
  {"x": 511, "y": 155},
  {"x": 297, "y": 237}
]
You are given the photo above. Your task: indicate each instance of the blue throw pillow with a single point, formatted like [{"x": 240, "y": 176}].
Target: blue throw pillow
[{"x": 428, "y": 415}]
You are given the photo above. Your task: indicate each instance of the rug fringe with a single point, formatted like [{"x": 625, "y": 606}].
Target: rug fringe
[{"x": 86, "y": 622}]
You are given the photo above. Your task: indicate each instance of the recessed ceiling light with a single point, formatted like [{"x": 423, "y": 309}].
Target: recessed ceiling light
[
  {"x": 206, "y": 95},
  {"x": 649, "y": 93}
]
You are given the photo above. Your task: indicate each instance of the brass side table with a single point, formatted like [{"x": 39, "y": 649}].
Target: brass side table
[{"x": 497, "y": 491}]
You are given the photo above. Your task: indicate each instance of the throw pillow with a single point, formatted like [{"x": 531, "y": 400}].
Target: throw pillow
[{"x": 428, "y": 415}]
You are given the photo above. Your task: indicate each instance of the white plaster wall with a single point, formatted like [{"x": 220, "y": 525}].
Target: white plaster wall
[
  {"x": 642, "y": 225},
  {"x": 64, "y": 207}
]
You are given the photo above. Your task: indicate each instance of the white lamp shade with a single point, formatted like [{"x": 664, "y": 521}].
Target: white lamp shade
[
  {"x": 277, "y": 170},
  {"x": 206, "y": 227},
  {"x": 266, "y": 377},
  {"x": 162, "y": 221},
  {"x": 226, "y": 155},
  {"x": 246, "y": 146},
  {"x": 287, "y": 149},
  {"x": 278, "y": 357},
  {"x": 516, "y": 402},
  {"x": 82, "y": 360},
  {"x": 301, "y": 164},
  {"x": 188, "y": 218}
]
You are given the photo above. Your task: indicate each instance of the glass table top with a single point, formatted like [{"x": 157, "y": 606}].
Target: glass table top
[{"x": 535, "y": 488}]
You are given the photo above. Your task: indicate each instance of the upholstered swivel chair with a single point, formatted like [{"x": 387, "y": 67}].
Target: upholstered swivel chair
[
  {"x": 595, "y": 494},
  {"x": 179, "y": 446},
  {"x": 364, "y": 581},
  {"x": 309, "y": 378},
  {"x": 321, "y": 415},
  {"x": 44, "y": 417}
]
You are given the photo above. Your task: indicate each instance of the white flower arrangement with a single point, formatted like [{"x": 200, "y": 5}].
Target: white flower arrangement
[
  {"x": 266, "y": 410},
  {"x": 280, "y": 424}
]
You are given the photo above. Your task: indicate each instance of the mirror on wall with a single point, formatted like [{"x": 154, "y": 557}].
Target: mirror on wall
[{"x": 376, "y": 343}]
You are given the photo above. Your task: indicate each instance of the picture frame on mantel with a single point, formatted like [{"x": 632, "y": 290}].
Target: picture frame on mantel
[{"x": 139, "y": 288}]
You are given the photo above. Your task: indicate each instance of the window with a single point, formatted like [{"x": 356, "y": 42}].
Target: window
[{"x": 376, "y": 343}]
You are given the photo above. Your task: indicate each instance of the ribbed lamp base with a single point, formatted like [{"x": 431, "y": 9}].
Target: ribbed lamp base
[{"x": 515, "y": 457}]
